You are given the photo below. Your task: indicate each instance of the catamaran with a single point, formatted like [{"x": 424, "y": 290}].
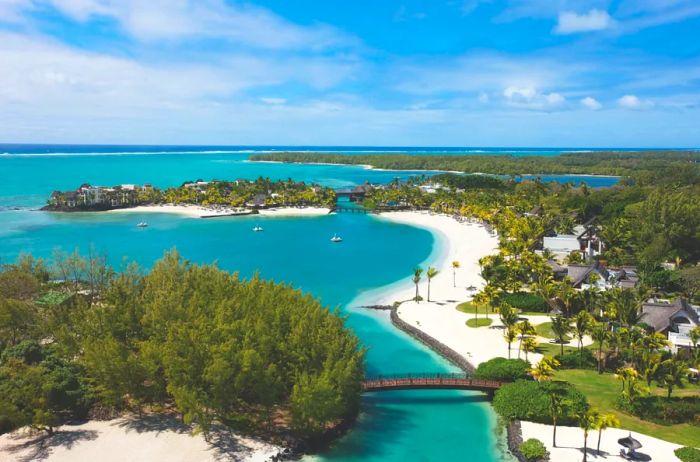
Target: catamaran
[
  {"x": 258, "y": 228},
  {"x": 336, "y": 238},
  {"x": 142, "y": 224}
]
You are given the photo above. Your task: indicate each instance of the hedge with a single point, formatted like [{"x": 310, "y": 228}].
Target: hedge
[
  {"x": 529, "y": 400},
  {"x": 503, "y": 370},
  {"x": 660, "y": 410},
  {"x": 526, "y": 302},
  {"x": 688, "y": 454}
]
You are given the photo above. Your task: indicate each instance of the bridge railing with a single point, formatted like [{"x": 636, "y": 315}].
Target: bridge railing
[{"x": 419, "y": 375}]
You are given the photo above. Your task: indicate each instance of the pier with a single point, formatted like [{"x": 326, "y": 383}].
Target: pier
[{"x": 429, "y": 382}]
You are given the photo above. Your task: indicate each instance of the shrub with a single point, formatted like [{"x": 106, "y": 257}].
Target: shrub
[
  {"x": 688, "y": 454},
  {"x": 526, "y": 302},
  {"x": 528, "y": 400},
  {"x": 533, "y": 449},
  {"x": 583, "y": 359},
  {"x": 502, "y": 369},
  {"x": 664, "y": 411}
]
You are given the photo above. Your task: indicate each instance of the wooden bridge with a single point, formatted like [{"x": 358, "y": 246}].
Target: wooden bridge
[
  {"x": 429, "y": 382},
  {"x": 341, "y": 209}
]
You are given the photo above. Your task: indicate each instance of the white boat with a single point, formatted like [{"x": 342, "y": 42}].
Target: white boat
[
  {"x": 336, "y": 238},
  {"x": 142, "y": 224},
  {"x": 258, "y": 228}
]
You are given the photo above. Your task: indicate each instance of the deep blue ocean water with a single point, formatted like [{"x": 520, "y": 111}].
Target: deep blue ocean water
[{"x": 397, "y": 426}]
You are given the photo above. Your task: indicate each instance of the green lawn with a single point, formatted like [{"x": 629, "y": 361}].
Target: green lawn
[
  {"x": 468, "y": 307},
  {"x": 479, "y": 322},
  {"x": 545, "y": 330},
  {"x": 553, "y": 349},
  {"x": 602, "y": 392}
]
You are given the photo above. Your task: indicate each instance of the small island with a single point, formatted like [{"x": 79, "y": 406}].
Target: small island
[{"x": 213, "y": 198}]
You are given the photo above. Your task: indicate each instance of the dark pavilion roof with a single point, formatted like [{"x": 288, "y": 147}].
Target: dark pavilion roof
[{"x": 660, "y": 315}]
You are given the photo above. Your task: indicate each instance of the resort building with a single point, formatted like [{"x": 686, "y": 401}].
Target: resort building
[
  {"x": 584, "y": 239},
  {"x": 675, "y": 319}
]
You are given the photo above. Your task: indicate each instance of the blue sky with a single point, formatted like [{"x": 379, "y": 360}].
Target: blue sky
[{"x": 583, "y": 73}]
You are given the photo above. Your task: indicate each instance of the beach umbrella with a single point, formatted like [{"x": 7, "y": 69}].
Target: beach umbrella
[{"x": 629, "y": 442}]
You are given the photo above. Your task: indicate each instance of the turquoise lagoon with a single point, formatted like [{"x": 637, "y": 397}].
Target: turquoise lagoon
[{"x": 396, "y": 426}]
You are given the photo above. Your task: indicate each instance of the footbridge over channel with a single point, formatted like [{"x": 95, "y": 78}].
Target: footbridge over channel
[{"x": 429, "y": 382}]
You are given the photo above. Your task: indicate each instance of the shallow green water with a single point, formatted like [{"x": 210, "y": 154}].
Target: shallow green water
[{"x": 416, "y": 426}]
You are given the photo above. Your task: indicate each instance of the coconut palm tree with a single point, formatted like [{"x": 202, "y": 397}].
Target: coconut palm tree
[
  {"x": 431, "y": 273},
  {"x": 557, "y": 405},
  {"x": 510, "y": 336},
  {"x": 582, "y": 324},
  {"x": 586, "y": 420},
  {"x": 673, "y": 371},
  {"x": 524, "y": 328},
  {"x": 529, "y": 346},
  {"x": 603, "y": 422},
  {"x": 628, "y": 376},
  {"x": 416, "y": 279},
  {"x": 560, "y": 327},
  {"x": 455, "y": 266},
  {"x": 600, "y": 334}
]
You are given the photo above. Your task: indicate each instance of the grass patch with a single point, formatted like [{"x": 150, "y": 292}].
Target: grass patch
[
  {"x": 468, "y": 307},
  {"x": 479, "y": 322},
  {"x": 553, "y": 349},
  {"x": 545, "y": 330},
  {"x": 602, "y": 391}
]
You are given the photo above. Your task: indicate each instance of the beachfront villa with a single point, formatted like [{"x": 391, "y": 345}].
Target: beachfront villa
[
  {"x": 97, "y": 196},
  {"x": 674, "y": 319},
  {"x": 583, "y": 240}
]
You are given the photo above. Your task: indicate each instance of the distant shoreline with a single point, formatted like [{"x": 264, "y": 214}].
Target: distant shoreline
[{"x": 200, "y": 211}]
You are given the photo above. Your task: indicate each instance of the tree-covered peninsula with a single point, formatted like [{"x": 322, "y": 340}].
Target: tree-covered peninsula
[
  {"x": 78, "y": 339},
  {"x": 260, "y": 193},
  {"x": 618, "y": 163}
]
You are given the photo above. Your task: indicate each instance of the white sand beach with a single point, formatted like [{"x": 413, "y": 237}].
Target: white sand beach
[
  {"x": 295, "y": 212},
  {"x": 199, "y": 211},
  {"x": 570, "y": 443},
  {"x": 146, "y": 439},
  {"x": 466, "y": 243}
]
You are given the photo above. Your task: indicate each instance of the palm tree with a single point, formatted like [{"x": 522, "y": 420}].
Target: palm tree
[
  {"x": 628, "y": 376},
  {"x": 431, "y": 273},
  {"x": 603, "y": 422},
  {"x": 600, "y": 334},
  {"x": 510, "y": 336},
  {"x": 586, "y": 420},
  {"x": 652, "y": 366},
  {"x": 416, "y": 279},
  {"x": 508, "y": 315},
  {"x": 582, "y": 324},
  {"x": 544, "y": 370},
  {"x": 673, "y": 371},
  {"x": 529, "y": 346},
  {"x": 626, "y": 305},
  {"x": 455, "y": 266},
  {"x": 524, "y": 328},
  {"x": 557, "y": 405},
  {"x": 560, "y": 327}
]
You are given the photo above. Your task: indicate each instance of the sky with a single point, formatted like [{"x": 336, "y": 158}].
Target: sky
[{"x": 540, "y": 73}]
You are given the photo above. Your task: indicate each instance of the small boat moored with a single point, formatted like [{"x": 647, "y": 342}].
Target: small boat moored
[
  {"x": 336, "y": 238},
  {"x": 258, "y": 228},
  {"x": 142, "y": 224}
]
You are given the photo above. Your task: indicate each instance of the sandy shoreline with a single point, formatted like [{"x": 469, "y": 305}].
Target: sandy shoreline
[
  {"x": 145, "y": 439},
  {"x": 198, "y": 211}
]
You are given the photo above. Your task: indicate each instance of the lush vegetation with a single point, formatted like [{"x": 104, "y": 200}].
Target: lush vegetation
[
  {"x": 526, "y": 302},
  {"x": 503, "y": 370},
  {"x": 603, "y": 392},
  {"x": 212, "y": 346},
  {"x": 600, "y": 163},
  {"x": 529, "y": 400},
  {"x": 688, "y": 454},
  {"x": 262, "y": 192},
  {"x": 533, "y": 449}
]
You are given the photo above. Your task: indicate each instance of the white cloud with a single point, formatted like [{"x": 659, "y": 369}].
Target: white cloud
[
  {"x": 571, "y": 22},
  {"x": 530, "y": 98},
  {"x": 151, "y": 20},
  {"x": 591, "y": 103},
  {"x": 634, "y": 102}
]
